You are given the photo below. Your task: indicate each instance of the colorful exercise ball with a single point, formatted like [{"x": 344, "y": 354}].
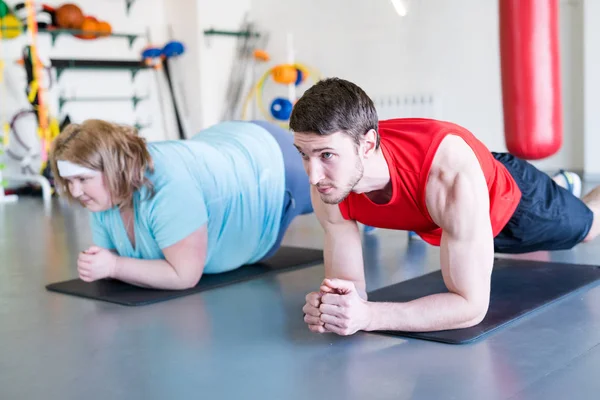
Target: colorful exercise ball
[
  {"x": 104, "y": 28},
  {"x": 44, "y": 19},
  {"x": 173, "y": 48},
  {"x": 69, "y": 16},
  {"x": 284, "y": 74},
  {"x": 261, "y": 55},
  {"x": 89, "y": 28},
  {"x": 11, "y": 26},
  {"x": 281, "y": 108},
  {"x": 20, "y": 10},
  {"x": 45, "y": 15},
  {"x": 151, "y": 52}
]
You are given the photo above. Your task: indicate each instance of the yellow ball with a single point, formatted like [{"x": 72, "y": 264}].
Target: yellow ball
[{"x": 11, "y": 26}]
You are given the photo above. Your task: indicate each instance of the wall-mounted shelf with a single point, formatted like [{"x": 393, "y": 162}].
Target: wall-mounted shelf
[
  {"x": 139, "y": 126},
  {"x": 55, "y": 33},
  {"x": 128, "y": 4},
  {"x": 135, "y": 99},
  {"x": 214, "y": 32},
  {"x": 133, "y": 66}
]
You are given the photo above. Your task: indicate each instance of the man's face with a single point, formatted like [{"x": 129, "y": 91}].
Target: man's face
[{"x": 332, "y": 163}]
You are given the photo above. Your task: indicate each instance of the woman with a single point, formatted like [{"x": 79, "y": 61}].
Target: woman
[{"x": 164, "y": 213}]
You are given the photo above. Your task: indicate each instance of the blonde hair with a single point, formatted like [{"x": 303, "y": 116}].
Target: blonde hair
[{"x": 115, "y": 150}]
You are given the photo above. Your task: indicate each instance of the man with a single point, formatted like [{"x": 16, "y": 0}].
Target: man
[{"x": 427, "y": 176}]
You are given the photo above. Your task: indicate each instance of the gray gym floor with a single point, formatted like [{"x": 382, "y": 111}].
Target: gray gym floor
[{"x": 249, "y": 341}]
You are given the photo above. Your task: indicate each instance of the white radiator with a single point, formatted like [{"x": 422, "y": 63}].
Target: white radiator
[{"x": 417, "y": 105}]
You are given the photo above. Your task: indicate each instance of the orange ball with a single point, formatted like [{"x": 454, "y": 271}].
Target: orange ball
[
  {"x": 90, "y": 24},
  {"x": 69, "y": 16},
  {"x": 105, "y": 28},
  {"x": 284, "y": 74},
  {"x": 261, "y": 55}
]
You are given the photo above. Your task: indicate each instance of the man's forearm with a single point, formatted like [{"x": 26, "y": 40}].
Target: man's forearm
[
  {"x": 344, "y": 259},
  {"x": 431, "y": 313},
  {"x": 157, "y": 274}
]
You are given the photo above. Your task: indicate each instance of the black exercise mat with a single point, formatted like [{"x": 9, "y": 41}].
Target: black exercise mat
[
  {"x": 286, "y": 259},
  {"x": 519, "y": 287}
]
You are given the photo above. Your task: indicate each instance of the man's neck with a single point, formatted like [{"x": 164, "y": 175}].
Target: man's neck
[{"x": 376, "y": 175}]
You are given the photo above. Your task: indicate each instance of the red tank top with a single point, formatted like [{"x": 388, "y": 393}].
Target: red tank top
[{"x": 409, "y": 146}]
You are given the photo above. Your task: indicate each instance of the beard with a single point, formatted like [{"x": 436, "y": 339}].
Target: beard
[{"x": 339, "y": 194}]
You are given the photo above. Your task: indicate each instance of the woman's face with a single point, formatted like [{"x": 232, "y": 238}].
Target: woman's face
[{"x": 91, "y": 191}]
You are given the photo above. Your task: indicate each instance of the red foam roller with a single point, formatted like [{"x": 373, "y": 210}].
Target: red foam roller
[{"x": 530, "y": 71}]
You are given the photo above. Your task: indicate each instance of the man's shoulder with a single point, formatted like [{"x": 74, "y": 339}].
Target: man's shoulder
[{"x": 453, "y": 154}]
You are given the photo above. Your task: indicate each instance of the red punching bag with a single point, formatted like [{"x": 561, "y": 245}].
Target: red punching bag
[{"x": 531, "y": 85}]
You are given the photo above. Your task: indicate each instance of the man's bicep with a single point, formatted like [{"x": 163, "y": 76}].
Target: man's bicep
[
  {"x": 467, "y": 249},
  {"x": 467, "y": 246}
]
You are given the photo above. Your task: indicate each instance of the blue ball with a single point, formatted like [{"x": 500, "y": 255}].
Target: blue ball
[
  {"x": 151, "y": 52},
  {"x": 172, "y": 49},
  {"x": 281, "y": 109}
]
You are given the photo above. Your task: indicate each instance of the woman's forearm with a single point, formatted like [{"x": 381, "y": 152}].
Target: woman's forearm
[{"x": 158, "y": 274}]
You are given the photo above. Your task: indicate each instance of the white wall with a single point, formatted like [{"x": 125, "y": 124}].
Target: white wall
[
  {"x": 208, "y": 60},
  {"x": 571, "y": 36},
  {"x": 450, "y": 48},
  {"x": 592, "y": 88},
  {"x": 217, "y": 53},
  {"x": 181, "y": 22}
]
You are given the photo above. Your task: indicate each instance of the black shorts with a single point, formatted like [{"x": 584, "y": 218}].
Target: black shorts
[{"x": 548, "y": 216}]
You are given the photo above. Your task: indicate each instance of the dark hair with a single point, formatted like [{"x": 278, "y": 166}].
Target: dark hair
[{"x": 334, "y": 105}]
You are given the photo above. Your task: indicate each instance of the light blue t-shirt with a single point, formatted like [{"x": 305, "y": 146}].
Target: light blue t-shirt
[{"x": 230, "y": 176}]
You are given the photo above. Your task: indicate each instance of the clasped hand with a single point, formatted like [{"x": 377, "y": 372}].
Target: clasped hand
[
  {"x": 337, "y": 308},
  {"x": 96, "y": 263}
]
